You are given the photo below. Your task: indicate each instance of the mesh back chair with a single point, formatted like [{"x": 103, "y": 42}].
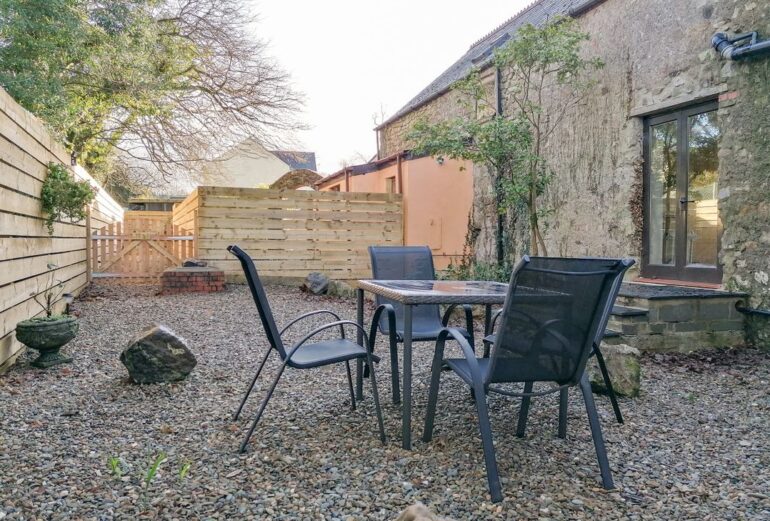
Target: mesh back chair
[
  {"x": 302, "y": 355},
  {"x": 408, "y": 263},
  {"x": 564, "y": 263},
  {"x": 550, "y": 318}
]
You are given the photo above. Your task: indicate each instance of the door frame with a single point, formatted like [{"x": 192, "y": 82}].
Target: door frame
[{"x": 680, "y": 270}]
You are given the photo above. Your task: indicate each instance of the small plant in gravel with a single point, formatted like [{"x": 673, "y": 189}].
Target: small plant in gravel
[
  {"x": 184, "y": 470},
  {"x": 116, "y": 468},
  {"x": 152, "y": 471}
]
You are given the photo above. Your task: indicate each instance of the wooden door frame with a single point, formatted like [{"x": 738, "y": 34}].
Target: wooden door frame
[{"x": 680, "y": 271}]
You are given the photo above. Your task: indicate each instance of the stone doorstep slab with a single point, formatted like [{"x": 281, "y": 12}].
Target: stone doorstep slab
[{"x": 646, "y": 291}]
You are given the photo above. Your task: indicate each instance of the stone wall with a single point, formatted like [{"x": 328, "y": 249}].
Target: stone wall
[
  {"x": 657, "y": 55},
  {"x": 745, "y": 169}
]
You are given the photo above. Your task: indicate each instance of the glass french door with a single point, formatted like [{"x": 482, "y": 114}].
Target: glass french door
[{"x": 682, "y": 224}]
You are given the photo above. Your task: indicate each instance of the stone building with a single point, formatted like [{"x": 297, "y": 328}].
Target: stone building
[{"x": 664, "y": 95}]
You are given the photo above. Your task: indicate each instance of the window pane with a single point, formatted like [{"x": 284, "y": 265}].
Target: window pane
[
  {"x": 663, "y": 167},
  {"x": 703, "y": 222}
]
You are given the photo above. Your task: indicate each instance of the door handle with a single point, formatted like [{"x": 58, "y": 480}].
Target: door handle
[{"x": 684, "y": 200}]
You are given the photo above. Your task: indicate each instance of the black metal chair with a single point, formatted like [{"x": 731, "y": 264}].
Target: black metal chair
[
  {"x": 554, "y": 262},
  {"x": 408, "y": 263},
  {"x": 550, "y": 318},
  {"x": 303, "y": 355}
]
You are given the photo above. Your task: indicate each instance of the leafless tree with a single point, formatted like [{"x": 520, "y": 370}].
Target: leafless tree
[{"x": 231, "y": 91}]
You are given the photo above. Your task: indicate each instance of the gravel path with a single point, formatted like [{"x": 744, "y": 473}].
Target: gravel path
[{"x": 76, "y": 442}]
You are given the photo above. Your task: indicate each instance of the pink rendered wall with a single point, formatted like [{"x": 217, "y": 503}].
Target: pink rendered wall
[{"x": 437, "y": 201}]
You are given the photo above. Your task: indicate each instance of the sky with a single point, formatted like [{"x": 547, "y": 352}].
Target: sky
[{"x": 357, "y": 58}]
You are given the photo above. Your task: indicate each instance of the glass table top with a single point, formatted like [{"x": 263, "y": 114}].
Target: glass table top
[{"x": 437, "y": 291}]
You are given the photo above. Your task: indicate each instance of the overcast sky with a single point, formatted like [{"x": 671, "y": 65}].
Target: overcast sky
[{"x": 351, "y": 57}]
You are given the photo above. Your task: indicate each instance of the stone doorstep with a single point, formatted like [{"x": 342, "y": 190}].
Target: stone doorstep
[{"x": 677, "y": 318}]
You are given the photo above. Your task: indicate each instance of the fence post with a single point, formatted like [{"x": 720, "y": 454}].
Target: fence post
[{"x": 89, "y": 271}]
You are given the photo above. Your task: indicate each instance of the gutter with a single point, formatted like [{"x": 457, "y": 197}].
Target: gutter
[{"x": 756, "y": 312}]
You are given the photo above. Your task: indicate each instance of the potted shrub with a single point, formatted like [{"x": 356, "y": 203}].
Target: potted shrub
[{"x": 47, "y": 334}]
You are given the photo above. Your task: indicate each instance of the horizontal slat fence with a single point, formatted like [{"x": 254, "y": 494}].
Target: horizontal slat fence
[
  {"x": 290, "y": 233},
  {"x": 26, "y": 248}
]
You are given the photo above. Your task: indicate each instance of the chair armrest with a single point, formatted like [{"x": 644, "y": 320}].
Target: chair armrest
[
  {"x": 467, "y": 350},
  {"x": 383, "y": 308},
  {"x": 338, "y": 323},
  {"x": 310, "y": 314},
  {"x": 467, "y": 308},
  {"x": 494, "y": 321}
]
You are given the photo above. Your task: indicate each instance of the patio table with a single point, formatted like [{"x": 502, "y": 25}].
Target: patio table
[{"x": 412, "y": 293}]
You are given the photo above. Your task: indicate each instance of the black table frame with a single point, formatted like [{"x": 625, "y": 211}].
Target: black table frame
[{"x": 414, "y": 297}]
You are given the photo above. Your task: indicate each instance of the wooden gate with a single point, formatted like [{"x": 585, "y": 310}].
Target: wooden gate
[{"x": 138, "y": 249}]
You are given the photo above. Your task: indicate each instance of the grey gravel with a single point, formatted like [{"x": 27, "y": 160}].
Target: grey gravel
[{"x": 694, "y": 445}]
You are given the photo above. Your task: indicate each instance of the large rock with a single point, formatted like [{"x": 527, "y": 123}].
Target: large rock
[
  {"x": 623, "y": 365},
  {"x": 337, "y": 288},
  {"x": 157, "y": 355},
  {"x": 316, "y": 283},
  {"x": 419, "y": 512}
]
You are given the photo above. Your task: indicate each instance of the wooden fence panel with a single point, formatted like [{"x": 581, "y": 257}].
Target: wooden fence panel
[
  {"x": 290, "y": 233},
  {"x": 26, "y": 248}
]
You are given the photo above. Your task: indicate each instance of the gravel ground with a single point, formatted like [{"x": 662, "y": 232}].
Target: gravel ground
[{"x": 77, "y": 441}]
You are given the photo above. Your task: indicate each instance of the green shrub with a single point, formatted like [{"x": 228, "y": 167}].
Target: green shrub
[{"x": 64, "y": 197}]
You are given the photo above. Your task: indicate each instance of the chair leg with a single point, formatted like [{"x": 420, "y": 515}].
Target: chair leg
[
  {"x": 253, "y": 381},
  {"x": 394, "y": 376},
  {"x": 262, "y": 408},
  {"x": 493, "y": 476},
  {"x": 596, "y": 433},
  {"x": 608, "y": 384},
  {"x": 563, "y": 402},
  {"x": 350, "y": 386},
  {"x": 435, "y": 378},
  {"x": 377, "y": 408},
  {"x": 524, "y": 411}
]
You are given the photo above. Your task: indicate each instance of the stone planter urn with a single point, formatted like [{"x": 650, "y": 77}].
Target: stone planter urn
[{"x": 47, "y": 335}]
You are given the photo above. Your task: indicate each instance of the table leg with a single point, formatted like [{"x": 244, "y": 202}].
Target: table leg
[
  {"x": 360, "y": 339},
  {"x": 406, "y": 430}
]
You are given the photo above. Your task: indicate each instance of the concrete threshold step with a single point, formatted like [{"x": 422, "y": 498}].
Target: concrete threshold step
[{"x": 643, "y": 290}]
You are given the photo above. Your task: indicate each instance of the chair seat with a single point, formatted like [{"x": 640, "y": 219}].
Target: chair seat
[
  {"x": 327, "y": 352},
  {"x": 426, "y": 334},
  {"x": 463, "y": 370}
]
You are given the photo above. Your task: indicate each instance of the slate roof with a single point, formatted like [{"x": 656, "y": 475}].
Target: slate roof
[
  {"x": 481, "y": 51},
  {"x": 296, "y": 160}
]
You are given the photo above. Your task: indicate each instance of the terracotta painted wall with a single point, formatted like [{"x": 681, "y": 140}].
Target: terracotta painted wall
[{"x": 437, "y": 202}]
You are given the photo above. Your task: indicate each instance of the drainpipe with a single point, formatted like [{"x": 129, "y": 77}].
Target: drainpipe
[
  {"x": 347, "y": 180},
  {"x": 400, "y": 188},
  {"x": 728, "y": 49}
]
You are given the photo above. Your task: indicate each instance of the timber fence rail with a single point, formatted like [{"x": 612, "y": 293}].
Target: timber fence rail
[
  {"x": 26, "y": 248},
  {"x": 290, "y": 233}
]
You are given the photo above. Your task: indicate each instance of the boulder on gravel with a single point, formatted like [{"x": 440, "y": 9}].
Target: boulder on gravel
[
  {"x": 338, "y": 288},
  {"x": 419, "y": 512},
  {"x": 623, "y": 366},
  {"x": 316, "y": 283},
  {"x": 157, "y": 355}
]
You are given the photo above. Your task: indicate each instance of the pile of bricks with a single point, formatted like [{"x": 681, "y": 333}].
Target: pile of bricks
[{"x": 203, "y": 279}]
